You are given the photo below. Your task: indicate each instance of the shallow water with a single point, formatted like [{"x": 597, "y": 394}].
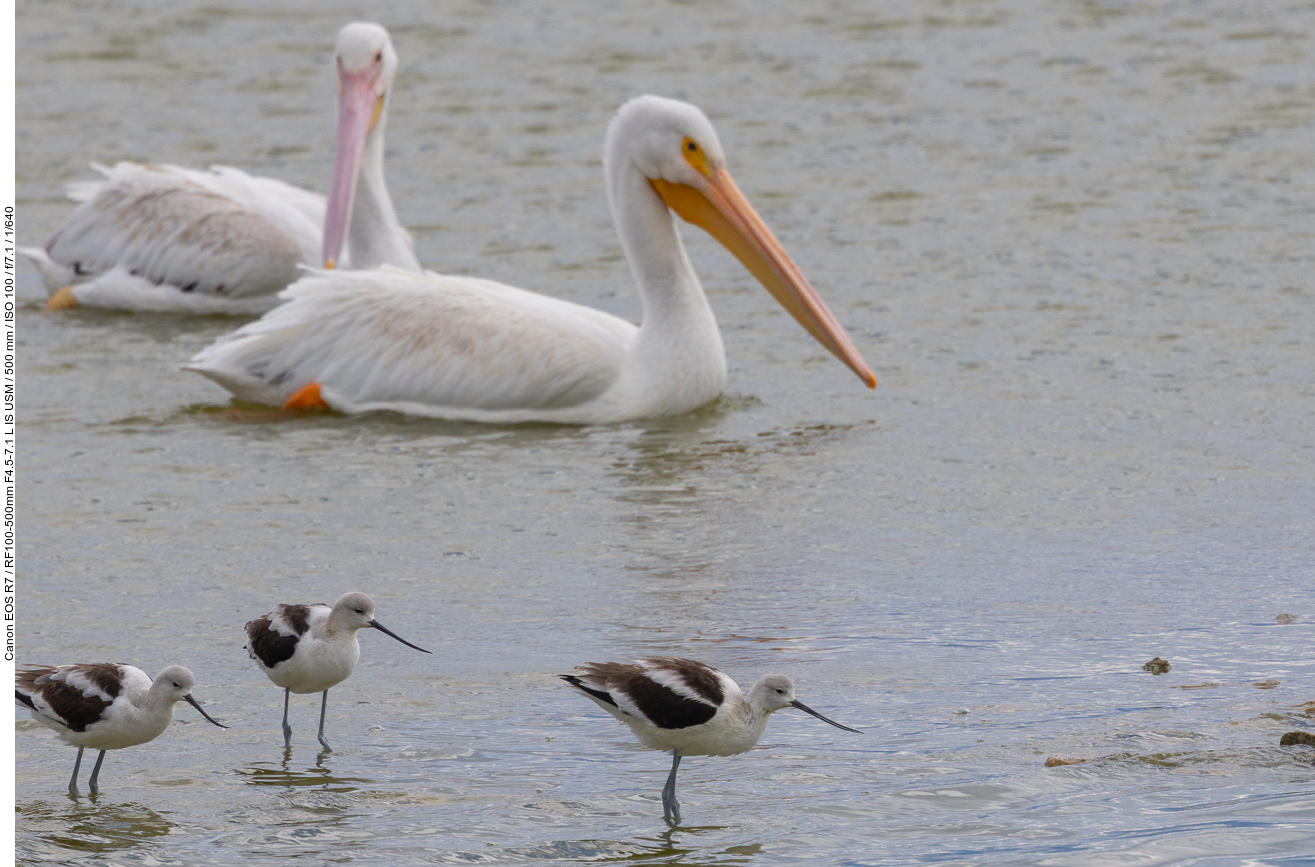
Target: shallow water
[{"x": 1073, "y": 239}]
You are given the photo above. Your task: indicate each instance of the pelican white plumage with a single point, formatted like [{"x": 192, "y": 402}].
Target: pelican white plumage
[
  {"x": 162, "y": 238},
  {"x": 471, "y": 349}
]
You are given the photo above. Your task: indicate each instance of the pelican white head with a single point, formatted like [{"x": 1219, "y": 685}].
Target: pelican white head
[
  {"x": 673, "y": 145},
  {"x": 658, "y": 133},
  {"x": 366, "y": 48}
]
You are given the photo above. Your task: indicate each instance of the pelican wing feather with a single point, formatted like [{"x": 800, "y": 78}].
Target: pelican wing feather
[{"x": 455, "y": 347}]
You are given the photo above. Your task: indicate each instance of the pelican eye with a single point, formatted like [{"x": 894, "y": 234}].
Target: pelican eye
[
  {"x": 379, "y": 56},
  {"x": 695, "y": 156}
]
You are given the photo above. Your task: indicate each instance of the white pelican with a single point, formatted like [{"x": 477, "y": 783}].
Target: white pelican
[
  {"x": 688, "y": 707},
  {"x": 167, "y": 239},
  {"x": 471, "y": 349},
  {"x": 105, "y": 706}
]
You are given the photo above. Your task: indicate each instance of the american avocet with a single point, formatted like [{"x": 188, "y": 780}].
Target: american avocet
[
  {"x": 309, "y": 648},
  {"x": 687, "y": 707},
  {"x": 475, "y": 350},
  {"x": 105, "y": 706},
  {"x": 161, "y": 238}
]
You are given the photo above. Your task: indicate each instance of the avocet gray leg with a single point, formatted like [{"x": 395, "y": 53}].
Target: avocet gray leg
[
  {"x": 324, "y": 706},
  {"x": 287, "y": 729},
  {"x": 670, "y": 806},
  {"x": 95, "y": 774},
  {"x": 73, "y": 780}
]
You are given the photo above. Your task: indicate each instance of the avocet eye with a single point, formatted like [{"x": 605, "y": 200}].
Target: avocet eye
[{"x": 379, "y": 56}]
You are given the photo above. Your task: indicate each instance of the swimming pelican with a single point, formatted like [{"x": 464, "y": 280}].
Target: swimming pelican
[
  {"x": 471, "y": 349},
  {"x": 162, "y": 238},
  {"x": 309, "y": 648},
  {"x": 105, "y": 706},
  {"x": 688, "y": 707}
]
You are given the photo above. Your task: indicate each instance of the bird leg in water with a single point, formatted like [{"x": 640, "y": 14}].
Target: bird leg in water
[
  {"x": 95, "y": 774},
  {"x": 73, "y": 780},
  {"x": 287, "y": 729},
  {"x": 324, "y": 706},
  {"x": 670, "y": 807}
]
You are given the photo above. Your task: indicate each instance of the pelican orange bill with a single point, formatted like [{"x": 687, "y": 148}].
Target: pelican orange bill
[{"x": 723, "y": 212}]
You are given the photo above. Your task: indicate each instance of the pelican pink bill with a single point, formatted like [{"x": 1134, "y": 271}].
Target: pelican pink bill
[
  {"x": 687, "y": 707},
  {"x": 359, "y": 209}
]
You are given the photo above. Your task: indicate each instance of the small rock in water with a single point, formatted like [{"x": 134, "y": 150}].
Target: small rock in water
[
  {"x": 1286, "y": 619},
  {"x": 1206, "y": 685},
  {"x": 1265, "y": 684},
  {"x": 375, "y": 729},
  {"x": 1291, "y": 739},
  {"x": 1156, "y": 666},
  {"x": 1056, "y": 761}
]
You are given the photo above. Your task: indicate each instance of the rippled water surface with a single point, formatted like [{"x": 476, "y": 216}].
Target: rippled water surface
[{"x": 1074, "y": 239}]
